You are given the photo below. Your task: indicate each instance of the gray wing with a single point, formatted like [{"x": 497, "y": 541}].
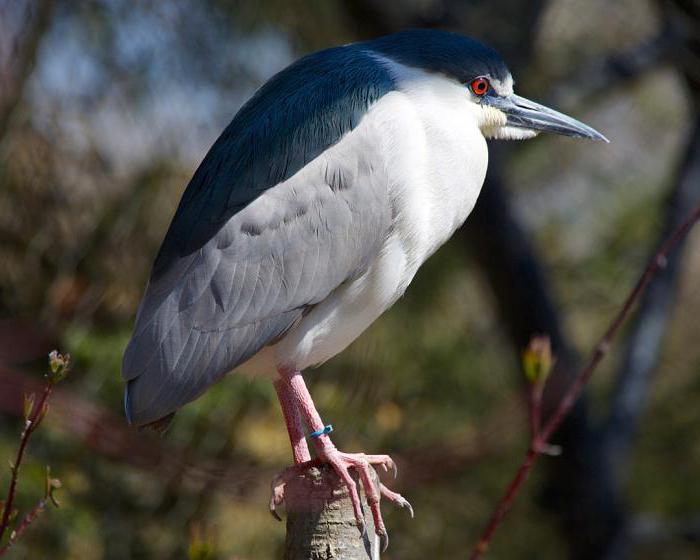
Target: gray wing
[{"x": 214, "y": 308}]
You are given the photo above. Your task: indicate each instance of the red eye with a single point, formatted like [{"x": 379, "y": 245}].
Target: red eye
[{"x": 479, "y": 85}]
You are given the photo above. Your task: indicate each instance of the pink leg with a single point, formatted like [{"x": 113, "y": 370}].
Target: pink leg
[
  {"x": 340, "y": 461},
  {"x": 295, "y": 424},
  {"x": 297, "y": 437}
]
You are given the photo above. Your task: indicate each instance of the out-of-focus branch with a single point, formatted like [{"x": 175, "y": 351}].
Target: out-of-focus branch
[
  {"x": 16, "y": 71},
  {"x": 683, "y": 17},
  {"x": 34, "y": 414},
  {"x": 32, "y": 422},
  {"x": 537, "y": 364},
  {"x": 105, "y": 433},
  {"x": 641, "y": 357},
  {"x": 590, "y": 514},
  {"x": 658, "y": 263},
  {"x": 650, "y": 530},
  {"x": 539, "y": 441},
  {"x": 645, "y": 340},
  {"x": 599, "y": 76},
  {"x": 513, "y": 272},
  {"x": 27, "y": 520}
]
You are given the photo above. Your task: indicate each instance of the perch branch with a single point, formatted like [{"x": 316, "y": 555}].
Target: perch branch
[{"x": 321, "y": 520}]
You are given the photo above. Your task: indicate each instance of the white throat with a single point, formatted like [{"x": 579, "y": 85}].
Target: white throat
[{"x": 437, "y": 155}]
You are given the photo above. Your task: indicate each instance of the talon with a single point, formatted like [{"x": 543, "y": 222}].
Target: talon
[
  {"x": 273, "y": 511},
  {"x": 407, "y": 504},
  {"x": 404, "y": 503},
  {"x": 383, "y": 539},
  {"x": 276, "y": 497},
  {"x": 274, "y": 502},
  {"x": 395, "y": 498}
]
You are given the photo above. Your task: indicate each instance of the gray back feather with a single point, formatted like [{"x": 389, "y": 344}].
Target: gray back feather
[{"x": 265, "y": 229}]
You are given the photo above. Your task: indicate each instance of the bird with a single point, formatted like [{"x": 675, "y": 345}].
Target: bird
[{"x": 309, "y": 217}]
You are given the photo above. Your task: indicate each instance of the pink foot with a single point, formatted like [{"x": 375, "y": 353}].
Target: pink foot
[
  {"x": 341, "y": 463},
  {"x": 298, "y": 406}
]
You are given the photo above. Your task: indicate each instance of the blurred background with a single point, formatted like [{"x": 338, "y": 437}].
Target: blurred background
[{"x": 106, "y": 109}]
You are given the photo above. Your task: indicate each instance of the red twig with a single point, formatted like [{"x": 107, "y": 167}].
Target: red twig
[
  {"x": 31, "y": 424},
  {"x": 34, "y": 413},
  {"x": 540, "y": 435},
  {"x": 24, "y": 525}
]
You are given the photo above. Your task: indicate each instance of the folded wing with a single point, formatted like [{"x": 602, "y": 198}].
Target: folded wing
[{"x": 244, "y": 258}]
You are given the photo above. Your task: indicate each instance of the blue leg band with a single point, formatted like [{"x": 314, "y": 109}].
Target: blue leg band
[{"x": 326, "y": 430}]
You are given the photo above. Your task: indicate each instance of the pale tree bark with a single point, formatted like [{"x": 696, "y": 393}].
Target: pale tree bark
[{"x": 320, "y": 519}]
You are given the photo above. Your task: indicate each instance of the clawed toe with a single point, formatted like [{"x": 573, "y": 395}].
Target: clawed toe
[
  {"x": 341, "y": 463},
  {"x": 396, "y": 498},
  {"x": 278, "y": 483},
  {"x": 276, "y": 496},
  {"x": 383, "y": 540},
  {"x": 386, "y": 462}
]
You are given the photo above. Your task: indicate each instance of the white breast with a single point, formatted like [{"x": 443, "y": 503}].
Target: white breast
[{"x": 436, "y": 159}]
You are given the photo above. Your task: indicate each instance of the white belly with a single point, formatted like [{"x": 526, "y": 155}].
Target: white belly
[{"x": 436, "y": 159}]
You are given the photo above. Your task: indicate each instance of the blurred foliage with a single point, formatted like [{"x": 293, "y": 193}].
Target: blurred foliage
[{"x": 124, "y": 100}]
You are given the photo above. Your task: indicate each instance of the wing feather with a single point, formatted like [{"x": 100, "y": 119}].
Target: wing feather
[
  {"x": 286, "y": 251},
  {"x": 270, "y": 225}
]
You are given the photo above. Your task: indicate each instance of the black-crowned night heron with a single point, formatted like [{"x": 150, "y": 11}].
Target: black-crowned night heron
[{"x": 311, "y": 214}]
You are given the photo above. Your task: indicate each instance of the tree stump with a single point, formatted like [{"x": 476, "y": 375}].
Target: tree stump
[{"x": 320, "y": 519}]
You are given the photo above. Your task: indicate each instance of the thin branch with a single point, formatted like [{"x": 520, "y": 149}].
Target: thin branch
[
  {"x": 34, "y": 414},
  {"x": 540, "y": 442},
  {"x": 32, "y": 423},
  {"x": 657, "y": 263},
  {"x": 24, "y": 525},
  {"x": 644, "y": 342}
]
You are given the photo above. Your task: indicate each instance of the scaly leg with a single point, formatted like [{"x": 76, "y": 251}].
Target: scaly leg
[
  {"x": 297, "y": 437},
  {"x": 340, "y": 461},
  {"x": 295, "y": 424}
]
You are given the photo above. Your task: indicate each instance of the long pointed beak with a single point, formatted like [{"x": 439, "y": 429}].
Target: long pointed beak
[{"x": 523, "y": 113}]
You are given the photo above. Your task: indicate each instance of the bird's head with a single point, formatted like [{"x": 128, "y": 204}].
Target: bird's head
[
  {"x": 503, "y": 115},
  {"x": 487, "y": 84}
]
